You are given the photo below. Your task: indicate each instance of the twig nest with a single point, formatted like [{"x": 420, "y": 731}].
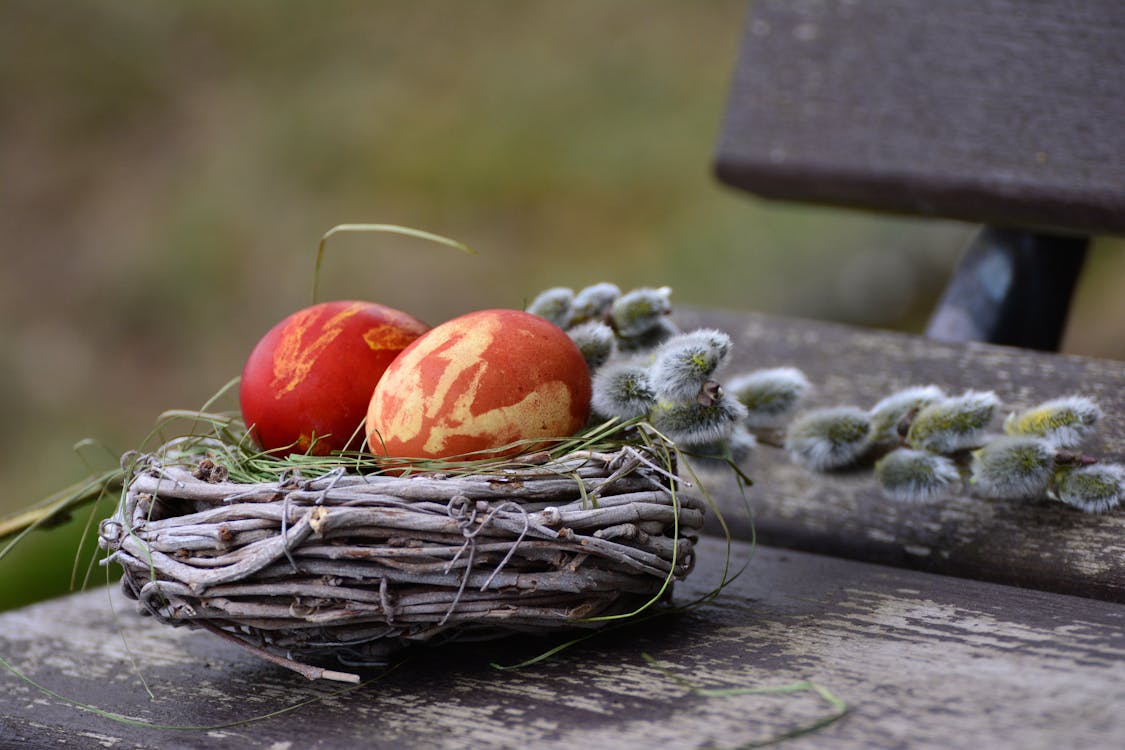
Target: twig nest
[{"x": 356, "y": 566}]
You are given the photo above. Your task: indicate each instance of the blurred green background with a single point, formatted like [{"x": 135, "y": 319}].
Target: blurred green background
[{"x": 166, "y": 170}]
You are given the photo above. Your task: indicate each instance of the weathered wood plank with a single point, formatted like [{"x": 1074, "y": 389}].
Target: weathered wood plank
[
  {"x": 914, "y": 655},
  {"x": 1003, "y": 112},
  {"x": 1044, "y": 545}
]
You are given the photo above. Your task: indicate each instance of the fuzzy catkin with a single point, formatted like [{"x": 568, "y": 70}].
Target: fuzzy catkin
[
  {"x": 769, "y": 396},
  {"x": 1093, "y": 489},
  {"x": 596, "y": 342},
  {"x": 720, "y": 454},
  {"x": 593, "y": 303},
  {"x": 915, "y": 476},
  {"x": 1064, "y": 422},
  {"x": 663, "y": 330},
  {"x": 953, "y": 424},
  {"x": 553, "y": 304},
  {"x": 622, "y": 389},
  {"x": 640, "y": 311},
  {"x": 829, "y": 438},
  {"x": 692, "y": 423},
  {"x": 1014, "y": 468},
  {"x": 684, "y": 363},
  {"x": 889, "y": 412}
]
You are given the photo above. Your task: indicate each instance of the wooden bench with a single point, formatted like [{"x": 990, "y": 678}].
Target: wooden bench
[
  {"x": 961, "y": 624},
  {"x": 1002, "y": 112},
  {"x": 921, "y": 659}
]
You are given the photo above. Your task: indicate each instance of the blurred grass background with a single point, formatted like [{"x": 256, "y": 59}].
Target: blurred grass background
[{"x": 166, "y": 170}]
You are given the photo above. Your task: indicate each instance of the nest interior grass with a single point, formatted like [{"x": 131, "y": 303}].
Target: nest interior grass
[{"x": 356, "y": 565}]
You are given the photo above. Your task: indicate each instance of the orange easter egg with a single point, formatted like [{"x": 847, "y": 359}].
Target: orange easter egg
[{"x": 477, "y": 383}]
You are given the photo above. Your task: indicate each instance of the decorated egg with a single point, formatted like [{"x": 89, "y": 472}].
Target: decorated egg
[
  {"x": 480, "y": 382},
  {"x": 307, "y": 383}
]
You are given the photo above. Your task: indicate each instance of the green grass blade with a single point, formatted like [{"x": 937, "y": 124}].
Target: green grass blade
[{"x": 384, "y": 228}]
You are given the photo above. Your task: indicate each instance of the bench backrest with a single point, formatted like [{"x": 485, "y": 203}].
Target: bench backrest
[{"x": 1005, "y": 112}]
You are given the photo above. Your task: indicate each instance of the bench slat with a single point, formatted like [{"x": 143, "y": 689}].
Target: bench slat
[
  {"x": 912, "y": 654},
  {"x": 1003, "y": 112},
  {"x": 1045, "y": 545}
]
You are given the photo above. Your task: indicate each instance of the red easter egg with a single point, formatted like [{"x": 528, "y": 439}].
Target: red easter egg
[
  {"x": 477, "y": 383},
  {"x": 308, "y": 382}
]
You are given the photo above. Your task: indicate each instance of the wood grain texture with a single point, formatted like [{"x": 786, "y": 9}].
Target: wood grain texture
[
  {"x": 1005, "y": 112},
  {"x": 1044, "y": 545},
  {"x": 923, "y": 661}
]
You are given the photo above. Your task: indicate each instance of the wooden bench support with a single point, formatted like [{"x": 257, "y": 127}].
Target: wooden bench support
[
  {"x": 1003, "y": 113},
  {"x": 920, "y": 660},
  {"x": 1012, "y": 287}
]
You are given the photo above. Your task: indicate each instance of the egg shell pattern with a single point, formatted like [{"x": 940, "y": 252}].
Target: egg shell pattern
[
  {"x": 477, "y": 383},
  {"x": 313, "y": 373}
]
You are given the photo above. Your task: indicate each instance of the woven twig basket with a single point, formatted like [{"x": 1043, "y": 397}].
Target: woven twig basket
[{"x": 356, "y": 566}]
